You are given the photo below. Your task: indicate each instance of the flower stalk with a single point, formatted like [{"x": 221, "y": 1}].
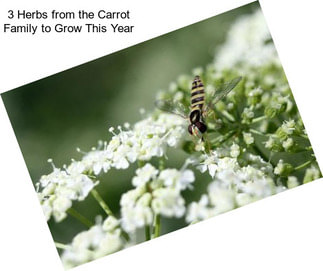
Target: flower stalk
[
  {"x": 147, "y": 232},
  {"x": 304, "y": 165},
  {"x": 61, "y": 246},
  {"x": 259, "y": 119},
  {"x": 80, "y": 217},
  {"x": 157, "y": 226},
  {"x": 101, "y": 202}
]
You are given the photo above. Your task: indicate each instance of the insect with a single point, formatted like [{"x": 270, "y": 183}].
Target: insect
[{"x": 198, "y": 109}]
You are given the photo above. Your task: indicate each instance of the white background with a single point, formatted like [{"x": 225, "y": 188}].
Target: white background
[{"x": 283, "y": 232}]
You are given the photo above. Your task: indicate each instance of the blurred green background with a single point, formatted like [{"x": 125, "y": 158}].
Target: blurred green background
[{"x": 74, "y": 108}]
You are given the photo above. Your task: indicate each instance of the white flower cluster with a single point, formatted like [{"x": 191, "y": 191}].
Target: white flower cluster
[
  {"x": 233, "y": 185},
  {"x": 147, "y": 139},
  {"x": 156, "y": 192},
  {"x": 61, "y": 187},
  {"x": 238, "y": 177},
  {"x": 99, "y": 240},
  {"x": 248, "y": 43},
  {"x": 311, "y": 174}
]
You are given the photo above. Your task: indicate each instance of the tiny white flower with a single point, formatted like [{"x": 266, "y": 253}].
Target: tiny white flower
[
  {"x": 94, "y": 243},
  {"x": 168, "y": 202},
  {"x": 288, "y": 143},
  {"x": 248, "y": 138},
  {"x": 255, "y": 92},
  {"x": 186, "y": 179},
  {"x": 198, "y": 210},
  {"x": 110, "y": 224},
  {"x": 222, "y": 199},
  {"x": 144, "y": 174},
  {"x": 177, "y": 179},
  {"x": 269, "y": 143},
  {"x": 60, "y": 206},
  {"x": 292, "y": 182},
  {"x": 248, "y": 113},
  {"x": 210, "y": 164},
  {"x": 234, "y": 150},
  {"x": 233, "y": 185},
  {"x": 135, "y": 217},
  {"x": 244, "y": 199},
  {"x": 200, "y": 146},
  {"x": 279, "y": 167},
  {"x": 47, "y": 209},
  {"x": 288, "y": 127}
]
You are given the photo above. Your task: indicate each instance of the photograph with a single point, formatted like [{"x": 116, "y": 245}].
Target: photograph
[{"x": 161, "y": 135}]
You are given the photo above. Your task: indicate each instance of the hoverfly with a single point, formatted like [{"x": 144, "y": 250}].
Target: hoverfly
[{"x": 198, "y": 109}]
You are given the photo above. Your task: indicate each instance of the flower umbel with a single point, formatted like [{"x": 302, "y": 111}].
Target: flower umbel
[
  {"x": 156, "y": 193},
  {"x": 255, "y": 146}
]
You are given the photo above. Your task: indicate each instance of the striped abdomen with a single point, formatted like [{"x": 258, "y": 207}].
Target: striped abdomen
[{"x": 197, "y": 94}]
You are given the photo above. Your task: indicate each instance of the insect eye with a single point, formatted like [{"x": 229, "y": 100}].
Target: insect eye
[
  {"x": 201, "y": 126},
  {"x": 190, "y": 129}
]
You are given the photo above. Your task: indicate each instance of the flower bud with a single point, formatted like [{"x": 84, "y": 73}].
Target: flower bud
[
  {"x": 286, "y": 129},
  {"x": 288, "y": 144},
  {"x": 271, "y": 111},
  {"x": 248, "y": 138},
  {"x": 283, "y": 102},
  {"x": 220, "y": 106},
  {"x": 145, "y": 199},
  {"x": 110, "y": 224},
  {"x": 281, "y": 134},
  {"x": 292, "y": 182},
  {"x": 311, "y": 174},
  {"x": 235, "y": 150},
  {"x": 254, "y": 96},
  {"x": 230, "y": 106},
  {"x": 200, "y": 146},
  {"x": 247, "y": 115},
  {"x": 253, "y": 100},
  {"x": 283, "y": 107},
  {"x": 283, "y": 169}
]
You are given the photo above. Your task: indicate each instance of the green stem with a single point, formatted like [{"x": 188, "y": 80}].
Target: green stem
[
  {"x": 147, "y": 232},
  {"x": 262, "y": 134},
  {"x": 61, "y": 246},
  {"x": 255, "y": 120},
  {"x": 223, "y": 138},
  {"x": 303, "y": 165},
  {"x": 80, "y": 217},
  {"x": 101, "y": 202},
  {"x": 156, "y": 226},
  {"x": 228, "y": 116}
]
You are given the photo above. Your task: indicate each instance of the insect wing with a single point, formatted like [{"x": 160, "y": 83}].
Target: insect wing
[
  {"x": 172, "y": 107},
  {"x": 224, "y": 89}
]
